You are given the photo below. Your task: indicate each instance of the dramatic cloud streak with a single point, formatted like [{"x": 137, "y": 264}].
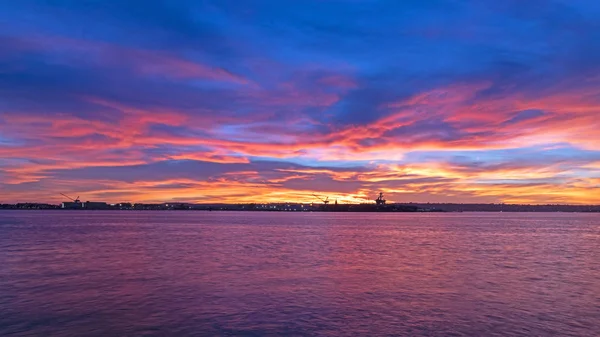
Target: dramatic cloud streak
[{"x": 265, "y": 101}]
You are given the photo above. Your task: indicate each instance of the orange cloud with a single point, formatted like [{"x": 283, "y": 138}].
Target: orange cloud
[{"x": 465, "y": 124}]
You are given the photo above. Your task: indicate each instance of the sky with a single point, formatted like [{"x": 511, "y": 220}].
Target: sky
[{"x": 274, "y": 101}]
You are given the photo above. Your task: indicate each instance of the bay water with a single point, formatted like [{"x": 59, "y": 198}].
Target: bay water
[{"x": 180, "y": 273}]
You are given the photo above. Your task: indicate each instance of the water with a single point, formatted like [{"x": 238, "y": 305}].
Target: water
[{"x": 266, "y": 274}]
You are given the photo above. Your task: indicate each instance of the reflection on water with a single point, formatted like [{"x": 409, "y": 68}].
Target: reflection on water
[{"x": 255, "y": 274}]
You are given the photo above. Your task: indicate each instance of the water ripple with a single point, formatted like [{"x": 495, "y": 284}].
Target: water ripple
[{"x": 317, "y": 274}]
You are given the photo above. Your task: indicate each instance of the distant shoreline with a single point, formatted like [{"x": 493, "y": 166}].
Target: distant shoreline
[
  {"x": 275, "y": 211},
  {"x": 297, "y": 207}
]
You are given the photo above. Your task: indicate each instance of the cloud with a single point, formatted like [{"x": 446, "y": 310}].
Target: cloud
[{"x": 441, "y": 101}]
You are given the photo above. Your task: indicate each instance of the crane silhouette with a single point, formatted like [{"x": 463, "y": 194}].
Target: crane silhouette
[
  {"x": 76, "y": 200},
  {"x": 325, "y": 201}
]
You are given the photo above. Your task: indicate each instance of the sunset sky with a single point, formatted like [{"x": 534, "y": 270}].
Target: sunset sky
[{"x": 263, "y": 101}]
